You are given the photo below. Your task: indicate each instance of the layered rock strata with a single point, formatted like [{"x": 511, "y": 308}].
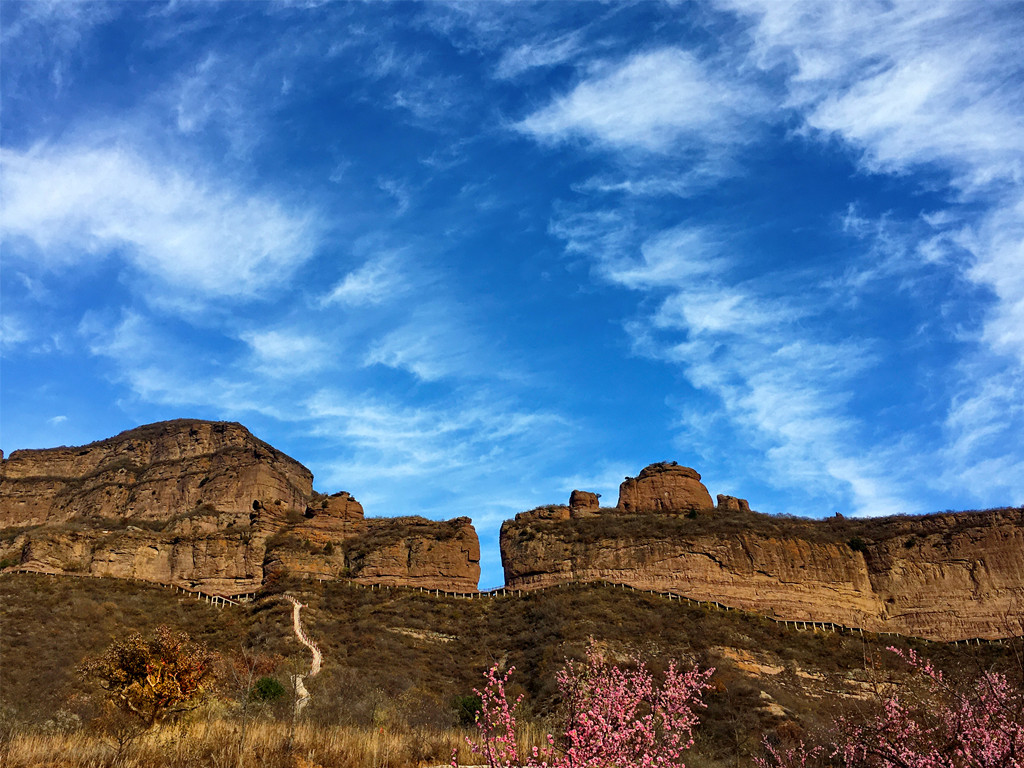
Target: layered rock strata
[
  {"x": 152, "y": 473},
  {"x": 208, "y": 505},
  {"x": 945, "y": 577}
]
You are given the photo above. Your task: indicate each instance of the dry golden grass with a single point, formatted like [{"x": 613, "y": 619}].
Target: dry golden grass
[{"x": 268, "y": 744}]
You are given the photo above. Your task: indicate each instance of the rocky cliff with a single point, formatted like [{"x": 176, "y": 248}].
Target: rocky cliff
[
  {"x": 152, "y": 473},
  {"x": 946, "y": 576},
  {"x": 208, "y": 505}
]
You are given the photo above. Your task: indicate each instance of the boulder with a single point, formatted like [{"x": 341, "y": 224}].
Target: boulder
[
  {"x": 584, "y": 501},
  {"x": 664, "y": 487}
]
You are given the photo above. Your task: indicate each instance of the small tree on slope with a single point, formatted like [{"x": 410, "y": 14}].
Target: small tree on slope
[{"x": 154, "y": 678}]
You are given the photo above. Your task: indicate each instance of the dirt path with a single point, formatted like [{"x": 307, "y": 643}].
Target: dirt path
[{"x": 302, "y": 695}]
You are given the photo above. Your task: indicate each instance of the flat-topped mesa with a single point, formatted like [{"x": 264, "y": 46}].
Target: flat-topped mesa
[
  {"x": 414, "y": 551},
  {"x": 664, "y": 487},
  {"x": 949, "y": 576},
  {"x": 208, "y": 505},
  {"x": 335, "y": 541}
]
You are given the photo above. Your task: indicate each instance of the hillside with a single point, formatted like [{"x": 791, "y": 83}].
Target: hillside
[
  {"x": 210, "y": 507},
  {"x": 397, "y": 658}
]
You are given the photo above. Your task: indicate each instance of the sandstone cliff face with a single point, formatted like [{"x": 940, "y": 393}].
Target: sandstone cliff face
[
  {"x": 152, "y": 473},
  {"x": 944, "y": 577},
  {"x": 207, "y": 505},
  {"x": 419, "y": 552},
  {"x": 399, "y": 551},
  {"x": 664, "y": 487}
]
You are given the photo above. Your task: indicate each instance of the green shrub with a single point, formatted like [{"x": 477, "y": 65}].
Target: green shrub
[
  {"x": 267, "y": 689},
  {"x": 467, "y": 709}
]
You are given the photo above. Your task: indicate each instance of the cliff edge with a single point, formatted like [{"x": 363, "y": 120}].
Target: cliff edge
[
  {"x": 208, "y": 505},
  {"x": 946, "y": 576}
]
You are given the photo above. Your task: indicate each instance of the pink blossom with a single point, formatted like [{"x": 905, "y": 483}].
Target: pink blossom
[
  {"x": 980, "y": 725},
  {"x": 614, "y": 718}
]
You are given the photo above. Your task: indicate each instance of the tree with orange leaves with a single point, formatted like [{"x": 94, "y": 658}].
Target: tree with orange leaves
[{"x": 154, "y": 678}]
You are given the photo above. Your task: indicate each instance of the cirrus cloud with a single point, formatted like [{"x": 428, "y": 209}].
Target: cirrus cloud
[{"x": 79, "y": 203}]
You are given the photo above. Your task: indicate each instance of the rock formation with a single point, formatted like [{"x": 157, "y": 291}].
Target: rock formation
[
  {"x": 152, "y": 473},
  {"x": 584, "y": 501},
  {"x": 664, "y": 487},
  {"x": 946, "y": 577},
  {"x": 208, "y": 505},
  {"x": 732, "y": 504}
]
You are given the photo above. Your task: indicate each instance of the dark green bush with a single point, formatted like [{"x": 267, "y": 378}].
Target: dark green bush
[
  {"x": 267, "y": 689},
  {"x": 467, "y": 708}
]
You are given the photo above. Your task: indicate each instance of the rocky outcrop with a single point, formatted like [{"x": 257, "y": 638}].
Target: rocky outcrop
[
  {"x": 732, "y": 504},
  {"x": 418, "y": 552},
  {"x": 152, "y": 473},
  {"x": 584, "y": 501},
  {"x": 664, "y": 487},
  {"x": 398, "y": 551},
  {"x": 208, "y": 505},
  {"x": 945, "y": 577}
]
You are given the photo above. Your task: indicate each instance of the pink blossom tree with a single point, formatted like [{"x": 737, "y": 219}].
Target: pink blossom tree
[
  {"x": 978, "y": 725},
  {"x": 614, "y": 718}
]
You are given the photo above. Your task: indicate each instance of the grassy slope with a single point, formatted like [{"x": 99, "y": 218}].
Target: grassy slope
[{"x": 397, "y": 658}]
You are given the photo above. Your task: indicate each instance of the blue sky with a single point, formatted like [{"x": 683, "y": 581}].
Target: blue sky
[{"x": 460, "y": 259}]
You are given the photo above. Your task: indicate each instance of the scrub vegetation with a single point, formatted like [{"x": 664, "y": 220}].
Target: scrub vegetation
[{"x": 401, "y": 669}]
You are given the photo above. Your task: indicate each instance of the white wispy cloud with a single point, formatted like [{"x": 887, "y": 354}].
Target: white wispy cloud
[
  {"x": 908, "y": 83},
  {"x": 537, "y": 54},
  {"x": 404, "y": 440},
  {"x": 650, "y": 101},
  {"x": 288, "y": 352},
  {"x": 14, "y": 331},
  {"x": 381, "y": 279},
  {"x": 218, "y": 95},
  {"x": 81, "y": 203},
  {"x": 157, "y": 367},
  {"x": 921, "y": 86},
  {"x": 48, "y": 35},
  {"x": 417, "y": 350},
  {"x": 932, "y": 88},
  {"x": 997, "y": 242},
  {"x": 431, "y": 347},
  {"x": 672, "y": 258},
  {"x": 399, "y": 190},
  {"x": 783, "y": 388}
]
